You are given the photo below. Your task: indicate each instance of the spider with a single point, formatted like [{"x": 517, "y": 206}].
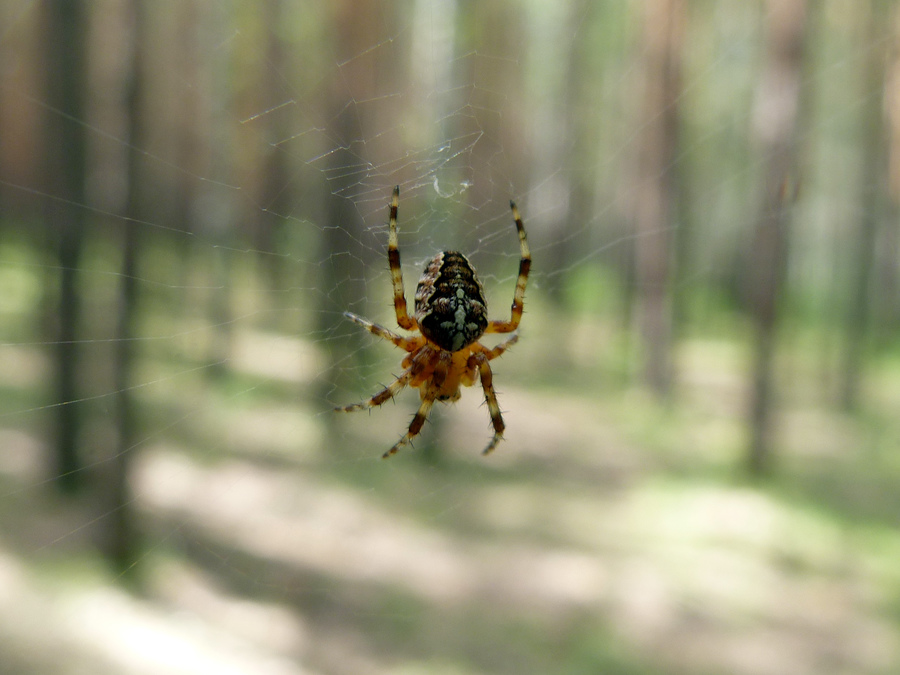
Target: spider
[{"x": 450, "y": 316}]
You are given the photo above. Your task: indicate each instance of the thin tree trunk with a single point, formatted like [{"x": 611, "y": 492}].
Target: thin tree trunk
[
  {"x": 655, "y": 196},
  {"x": 555, "y": 109},
  {"x": 777, "y": 112},
  {"x": 887, "y": 302},
  {"x": 121, "y": 544},
  {"x": 872, "y": 188},
  {"x": 65, "y": 171},
  {"x": 341, "y": 278},
  {"x": 275, "y": 185},
  {"x": 218, "y": 217}
]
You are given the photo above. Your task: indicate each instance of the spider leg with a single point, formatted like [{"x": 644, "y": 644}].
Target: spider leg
[
  {"x": 492, "y": 354},
  {"x": 403, "y": 318},
  {"x": 487, "y": 378},
  {"x": 428, "y": 397},
  {"x": 384, "y": 395},
  {"x": 518, "y": 303},
  {"x": 409, "y": 344},
  {"x": 471, "y": 372},
  {"x": 418, "y": 421}
]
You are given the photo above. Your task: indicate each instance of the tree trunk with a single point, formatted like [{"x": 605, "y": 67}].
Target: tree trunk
[
  {"x": 871, "y": 191},
  {"x": 275, "y": 186},
  {"x": 66, "y": 158},
  {"x": 218, "y": 212},
  {"x": 656, "y": 186},
  {"x": 342, "y": 275},
  {"x": 887, "y": 300},
  {"x": 777, "y": 112},
  {"x": 121, "y": 545}
]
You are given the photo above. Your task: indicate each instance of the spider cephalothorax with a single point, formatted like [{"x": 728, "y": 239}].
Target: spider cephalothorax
[{"x": 450, "y": 315}]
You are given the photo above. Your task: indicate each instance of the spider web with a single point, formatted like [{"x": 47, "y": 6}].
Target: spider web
[{"x": 275, "y": 538}]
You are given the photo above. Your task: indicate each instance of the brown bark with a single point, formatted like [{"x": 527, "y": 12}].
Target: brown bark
[
  {"x": 121, "y": 541},
  {"x": 777, "y": 108},
  {"x": 65, "y": 171},
  {"x": 656, "y": 186},
  {"x": 341, "y": 279},
  {"x": 873, "y": 183}
]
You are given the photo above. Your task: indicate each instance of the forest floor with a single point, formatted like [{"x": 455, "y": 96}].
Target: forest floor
[{"x": 608, "y": 533}]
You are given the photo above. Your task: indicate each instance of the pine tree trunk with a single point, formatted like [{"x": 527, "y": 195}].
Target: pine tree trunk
[
  {"x": 655, "y": 196},
  {"x": 65, "y": 171},
  {"x": 777, "y": 112},
  {"x": 871, "y": 208}
]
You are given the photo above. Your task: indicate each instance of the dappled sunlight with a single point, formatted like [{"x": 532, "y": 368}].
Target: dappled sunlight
[
  {"x": 22, "y": 365},
  {"x": 813, "y": 432},
  {"x": 745, "y": 568},
  {"x": 269, "y": 625},
  {"x": 279, "y": 358},
  {"x": 699, "y": 574},
  {"x": 268, "y": 431},
  {"x": 98, "y": 628},
  {"x": 23, "y": 457},
  {"x": 694, "y": 573},
  {"x": 711, "y": 377},
  {"x": 336, "y": 532},
  {"x": 261, "y": 553},
  {"x": 569, "y": 432},
  {"x": 139, "y": 639}
]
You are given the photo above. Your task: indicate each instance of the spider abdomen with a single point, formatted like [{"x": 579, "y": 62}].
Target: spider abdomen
[{"x": 450, "y": 306}]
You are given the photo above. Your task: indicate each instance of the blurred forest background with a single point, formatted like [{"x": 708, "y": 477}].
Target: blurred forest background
[{"x": 700, "y": 471}]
